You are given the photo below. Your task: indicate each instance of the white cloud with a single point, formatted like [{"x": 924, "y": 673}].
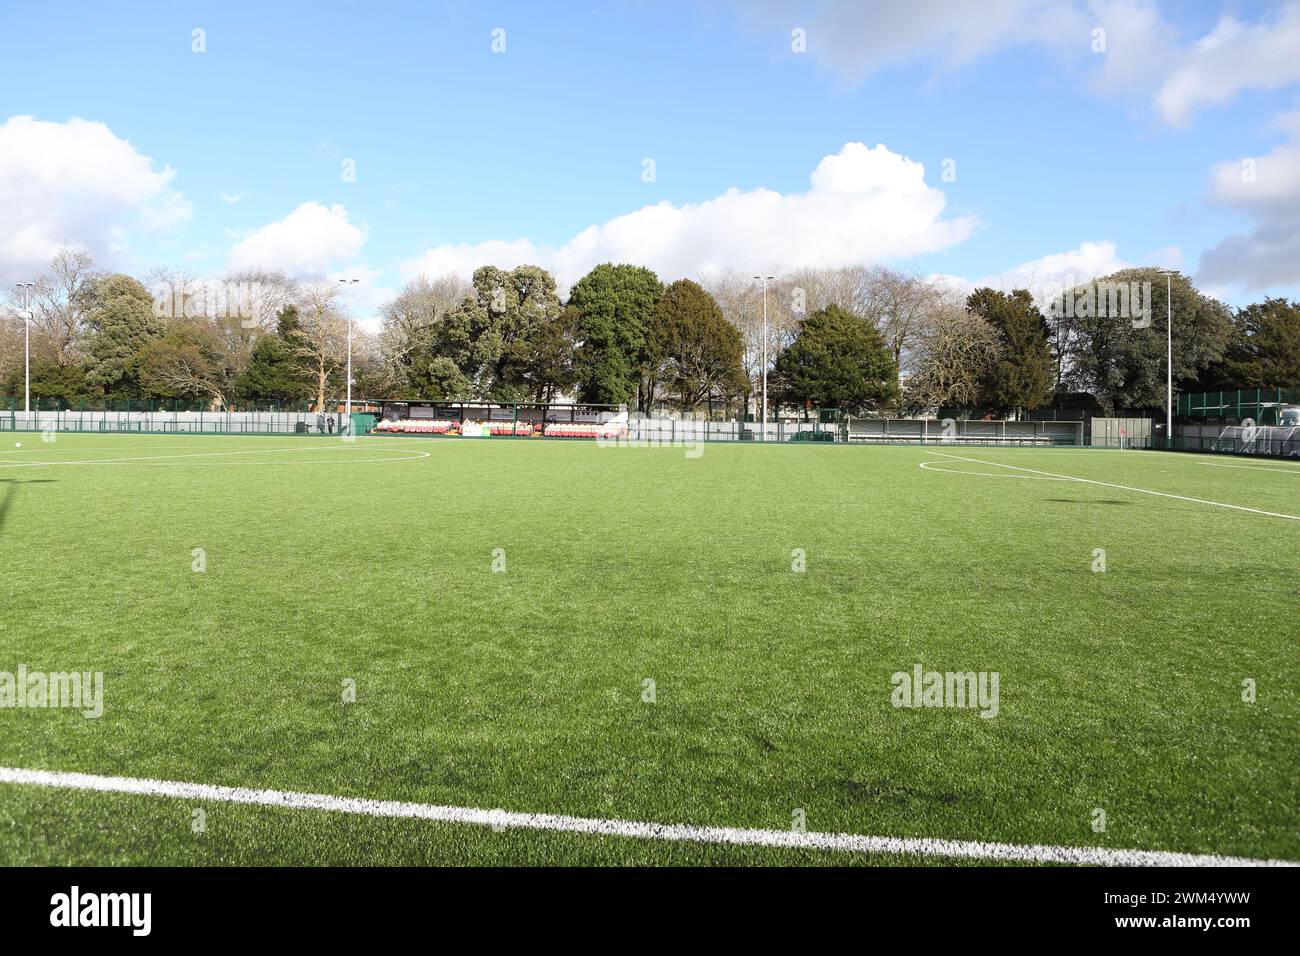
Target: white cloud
[
  {"x": 1232, "y": 58},
  {"x": 308, "y": 243},
  {"x": 864, "y": 205},
  {"x": 1047, "y": 276},
  {"x": 1259, "y": 183},
  {"x": 76, "y": 184},
  {"x": 230, "y": 198},
  {"x": 1140, "y": 45},
  {"x": 1089, "y": 260},
  {"x": 1143, "y": 52},
  {"x": 1267, "y": 190},
  {"x": 855, "y": 39}
]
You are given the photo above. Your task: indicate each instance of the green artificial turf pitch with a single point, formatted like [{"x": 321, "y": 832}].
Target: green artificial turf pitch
[{"x": 522, "y": 689}]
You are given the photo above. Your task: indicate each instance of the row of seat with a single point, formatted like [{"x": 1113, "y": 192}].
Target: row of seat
[
  {"x": 417, "y": 426},
  {"x": 585, "y": 430}
]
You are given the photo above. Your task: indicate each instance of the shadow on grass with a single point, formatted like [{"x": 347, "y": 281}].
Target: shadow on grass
[{"x": 11, "y": 492}]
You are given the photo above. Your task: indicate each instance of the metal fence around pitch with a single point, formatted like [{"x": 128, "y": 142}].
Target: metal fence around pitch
[
  {"x": 669, "y": 430},
  {"x": 1262, "y": 441},
  {"x": 1258, "y": 404},
  {"x": 900, "y": 431},
  {"x": 160, "y": 422}
]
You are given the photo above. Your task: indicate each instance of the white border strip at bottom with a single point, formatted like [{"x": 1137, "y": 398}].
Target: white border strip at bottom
[{"x": 843, "y": 842}]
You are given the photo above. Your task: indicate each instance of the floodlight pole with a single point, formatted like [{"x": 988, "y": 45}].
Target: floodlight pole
[
  {"x": 27, "y": 367},
  {"x": 765, "y": 280},
  {"x": 348, "y": 406},
  {"x": 25, "y": 293},
  {"x": 1169, "y": 360}
]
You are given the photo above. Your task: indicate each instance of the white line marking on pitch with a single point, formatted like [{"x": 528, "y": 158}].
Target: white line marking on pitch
[
  {"x": 1220, "y": 464},
  {"x": 934, "y": 466},
  {"x": 783, "y": 839},
  {"x": 1108, "y": 484}
]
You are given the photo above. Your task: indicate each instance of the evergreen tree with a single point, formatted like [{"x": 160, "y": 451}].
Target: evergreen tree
[
  {"x": 1020, "y": 377},
  {"x": 276, "y": 372},
  {"x": 120, "y": 323},
  {"x": 614, "y": 305},
  {"x": 692, "y": 352},
  {"x": 837, "y": 361}
]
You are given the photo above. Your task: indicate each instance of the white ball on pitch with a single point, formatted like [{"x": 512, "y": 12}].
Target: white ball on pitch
[{"x": 18, "y": 444}]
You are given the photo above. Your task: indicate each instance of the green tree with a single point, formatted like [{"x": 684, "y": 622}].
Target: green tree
[
  {"x": 837, "y": 361},
  {"x": 120, "y": 322},
  {"x": 53, "y": 382},
  {"x": 1264, "y": 350},
  {"x": 692, "y": 352},
  {"x": 1120, "y": 359},
  {"x": 488, "y": 337},
  {"x": 547, "y": 362},
  {"x": 614, "y": 305},
  {"x": 276, "y": 372},
  {"x": 1020, "y": 378},
  {"x": 443, "y": 379}
]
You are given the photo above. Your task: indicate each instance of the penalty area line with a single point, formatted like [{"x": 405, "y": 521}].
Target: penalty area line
[
  {"x": 1109, "y": 484},
  {"x": 780, "y": 839}
]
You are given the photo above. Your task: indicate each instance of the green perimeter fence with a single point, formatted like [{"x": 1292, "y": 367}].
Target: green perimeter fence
[
  {"x": 179, "y": 417},
  {"x": 1258, "y": 404},
  {"x": 164, "y": 417}
]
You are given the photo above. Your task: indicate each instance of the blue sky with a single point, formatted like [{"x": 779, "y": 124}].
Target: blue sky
[{"x": 1055, "y": 145}]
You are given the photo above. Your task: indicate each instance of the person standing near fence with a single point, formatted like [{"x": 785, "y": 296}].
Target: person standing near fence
[{"x": 320, "y": 422}]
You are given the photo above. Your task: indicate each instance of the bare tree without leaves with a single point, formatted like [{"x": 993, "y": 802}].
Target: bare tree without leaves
[
  {"x": 268, "y": 293},
  {"x": 902, "y": 305},
  {"x": 740, "y": 297},
  {"x": 951, "y": 361},
  {"x": 58, "y": 307},
  {"x": 323, "y": 339},
  {"x": 407, "y": 317},
  {"x": 190, "y": 360}
]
